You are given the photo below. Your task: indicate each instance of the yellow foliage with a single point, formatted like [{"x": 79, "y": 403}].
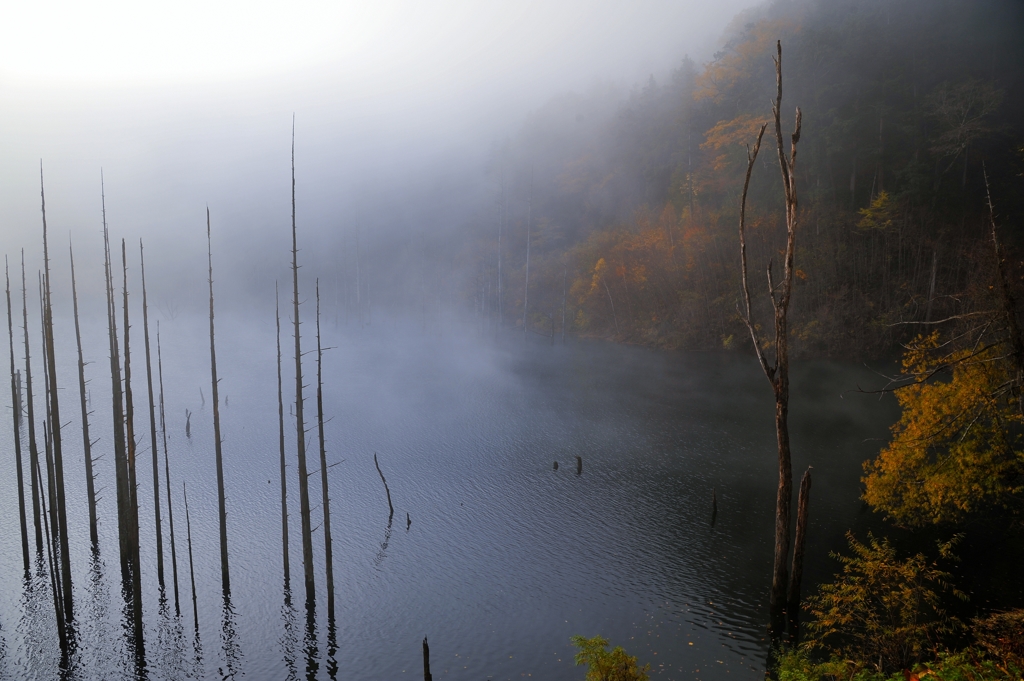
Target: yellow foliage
[
  {"x": 721, "y": 75},
  {"x": 731, "y": 136},
  {"x": 954, "y": 449},
  {"x": 879, "y": 215}
]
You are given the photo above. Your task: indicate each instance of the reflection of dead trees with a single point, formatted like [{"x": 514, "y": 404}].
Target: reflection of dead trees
[
  {"x": 221, "y": 510},
  {"x": 777, "y": 372},
  {"x": 17, "y": 430}
]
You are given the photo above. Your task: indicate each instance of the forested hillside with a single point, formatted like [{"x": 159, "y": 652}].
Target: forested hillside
[{"x": 632, "y": 208}]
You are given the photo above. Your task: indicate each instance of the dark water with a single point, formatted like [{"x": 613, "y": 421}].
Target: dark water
[{"x": 505, "y": 559}]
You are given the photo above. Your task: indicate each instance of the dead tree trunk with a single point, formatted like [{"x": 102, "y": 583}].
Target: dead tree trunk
[
  {"x": 152, "y": 427},
  {"x": 17, "y": 431},
  {"x": 777, "y": 373},
  {"x": 526, "y": 284},
  {"x": 797, "y": 574},
  {"x": 426, "y": 661},
  {"x": 54, "y": 408},
  {"x": 133, "y": 486},
  {"x": 167, "y": 472},
  {"x": 90, "y": 478},
  {"x": 300, "y": 424},
  {"x": 117, "y": 409},
  {"x": 33, "y": 447},
  {"x": 391, "y": 509},
  {"x": 328, "y": 553},
  {"x": 221, "y": 510},
  {"x": 280, "y": 424},
  {"x": 191, "y": 565}
]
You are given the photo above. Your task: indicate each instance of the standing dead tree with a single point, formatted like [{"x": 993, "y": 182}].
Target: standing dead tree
[
  {"x": 167, "y": 472},
  {"x": 54, "y": 414},
  {"x": 152, "y": 427},
  {"x": 280, "y": 429},
  {"x": 17, "y": 430},
  {"x": 300, "y": 424},
  {"x": 133, "y": 485},
  {"x": 33, "y": 447},
  {"x": 221, "y": 510},
  {"x": 90, "y": 478},
  {"x": 117, "y": 410},
  {"x": 328, "y": 552},
  {"x": 777, "y": 372}
]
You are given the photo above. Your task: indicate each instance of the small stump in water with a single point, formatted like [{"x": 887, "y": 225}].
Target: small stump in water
[
  {"x": 556, "y": 465},
  {"x": 579, "y": 465}
]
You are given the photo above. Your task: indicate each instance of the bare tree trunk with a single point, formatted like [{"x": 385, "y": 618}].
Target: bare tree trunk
[
  {"x": 17, "y": 430},
  {"x": 133, "y": 485},
  {"x": 90, "y": 478},
  {"x": 391, "y": 509},
  {"x": 117, "y": 409},
  {"x": 565, "y": 274},
  {"x": 280, "y": 423},
  {"x": 191, "y": 565},
  {"x": 152, "y": 428},
  {"x": 58, "y": 457},
  {"x": 1009, "y": 304},
  {"x": 931, "y": 286},
  {"x": 796, "y": 576},
  {"x": 221, "y": 508},
  {"x": 777, "y": 373},
  {"x": 300, "y": 424},
  {"x": 33, "y": 448},
  {"x": 328, "y": 553},
  {"x": 526, "y": 284},
  {"x": 167, "y": 473}
]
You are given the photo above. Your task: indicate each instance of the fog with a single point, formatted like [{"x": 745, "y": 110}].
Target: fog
[{"x": 397, "y": 109}]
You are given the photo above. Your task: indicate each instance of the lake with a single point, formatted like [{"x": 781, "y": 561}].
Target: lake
[{"x": 505, "y": 558}]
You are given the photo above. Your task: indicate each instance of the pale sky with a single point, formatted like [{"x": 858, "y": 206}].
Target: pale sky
[{"x": 189, "y": 103}]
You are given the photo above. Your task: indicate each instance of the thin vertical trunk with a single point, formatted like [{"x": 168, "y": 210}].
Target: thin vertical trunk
[
  {"x": 117, "y": 410},
  {"x": 565, "y": 274},
  {"x": 90, "y": 479},
  {"x": 526, "y": 284},
  {"x": 167, "y": 472},
  {"x": 191, "y": 565},
  {"x": 58, "y": 457},
  {"x": 612, "y": 303},
  {"x": 300, "y": 424},
  {"x": 501, "y": 225},
  {"x": 33, "y": 448},
  {"x": 133, "y": 485},
  {"x": 931, "y": 286},
  {"x": 280, "y": 424},
  {"x": 359, "y": 286},
  {"x": 152, "y": 428},
  {"x": 797, "y": 573},
  {"x": 777, "y": 373},
  {"x": 17, "y": 430},
  {"x": 328, "y": 553},
  {"x": 221, "y": 510}
]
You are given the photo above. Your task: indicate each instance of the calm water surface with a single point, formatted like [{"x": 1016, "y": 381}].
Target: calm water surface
[{"x": 505, "y": 558}]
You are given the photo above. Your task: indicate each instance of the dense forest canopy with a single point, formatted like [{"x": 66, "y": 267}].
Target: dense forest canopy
[{"x": 907, "y": 105}]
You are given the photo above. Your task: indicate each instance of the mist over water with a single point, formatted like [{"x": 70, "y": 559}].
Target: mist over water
[{"x": 505, "y": 557}]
